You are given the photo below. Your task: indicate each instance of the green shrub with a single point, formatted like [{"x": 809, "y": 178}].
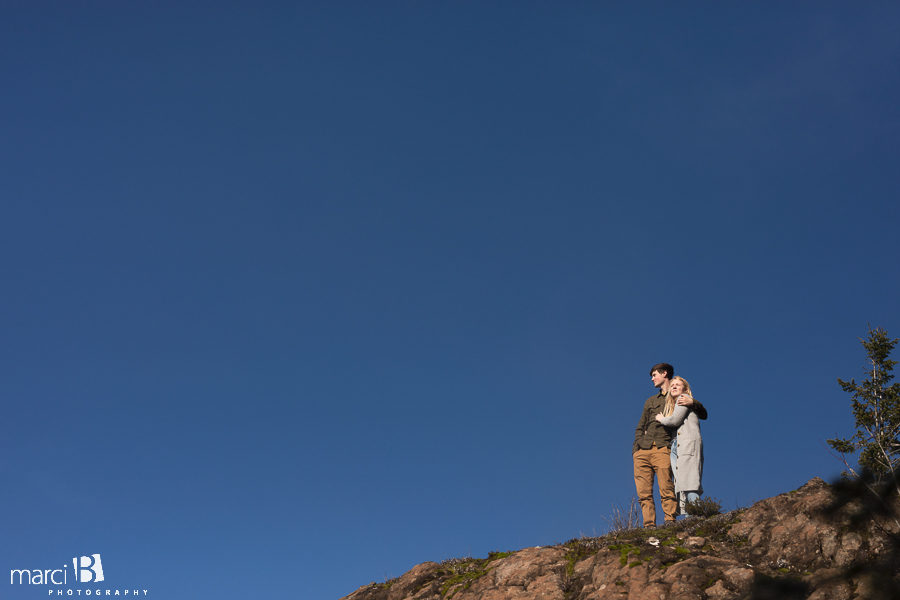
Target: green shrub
[{"x": 704, "y": 507}]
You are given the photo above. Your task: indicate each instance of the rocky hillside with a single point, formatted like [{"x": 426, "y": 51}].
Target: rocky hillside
[{"x": 816, "y": 542}]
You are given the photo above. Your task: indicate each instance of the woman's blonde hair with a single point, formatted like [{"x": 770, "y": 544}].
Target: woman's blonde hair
[{"x": 670, "y": 401}]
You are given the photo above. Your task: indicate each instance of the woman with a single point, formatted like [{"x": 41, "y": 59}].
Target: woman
[{"x": 688, "y": 466}]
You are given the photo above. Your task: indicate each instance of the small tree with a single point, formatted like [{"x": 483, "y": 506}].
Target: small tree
[{"x": 876, "y": 408}]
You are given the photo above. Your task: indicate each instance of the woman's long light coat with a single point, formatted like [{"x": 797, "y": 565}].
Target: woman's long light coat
[{"x": 689, "y": 465}]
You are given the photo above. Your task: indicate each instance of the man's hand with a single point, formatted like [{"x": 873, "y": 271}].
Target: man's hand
[{"x": 685, "y": 400}]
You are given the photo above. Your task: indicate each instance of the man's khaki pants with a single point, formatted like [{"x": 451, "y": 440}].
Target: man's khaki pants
[{"x": 646, "y": 463}]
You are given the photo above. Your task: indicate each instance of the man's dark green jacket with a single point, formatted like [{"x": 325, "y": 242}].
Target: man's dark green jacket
[{"x": 649, "y": 431}]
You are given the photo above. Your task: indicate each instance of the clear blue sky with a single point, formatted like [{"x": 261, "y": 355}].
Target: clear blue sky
[{"x": 298, "y": 295}]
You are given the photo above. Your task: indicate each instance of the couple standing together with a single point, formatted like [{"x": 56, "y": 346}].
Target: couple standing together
[{"x": 672, "y": 414}]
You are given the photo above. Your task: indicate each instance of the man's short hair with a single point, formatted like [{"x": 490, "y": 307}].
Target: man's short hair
[{"x": 666, "y": 368}]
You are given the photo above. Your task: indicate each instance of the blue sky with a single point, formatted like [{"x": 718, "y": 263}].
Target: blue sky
[{"x": 299, "y": 295}]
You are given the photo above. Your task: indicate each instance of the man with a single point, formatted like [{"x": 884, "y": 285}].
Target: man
[{"x": 651, "y": 453}]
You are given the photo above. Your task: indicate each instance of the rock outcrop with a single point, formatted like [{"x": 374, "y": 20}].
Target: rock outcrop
[{"x": 796, "y": 545}]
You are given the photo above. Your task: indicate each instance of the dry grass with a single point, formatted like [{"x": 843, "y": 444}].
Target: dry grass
[{"x": 623, "y": 518}]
